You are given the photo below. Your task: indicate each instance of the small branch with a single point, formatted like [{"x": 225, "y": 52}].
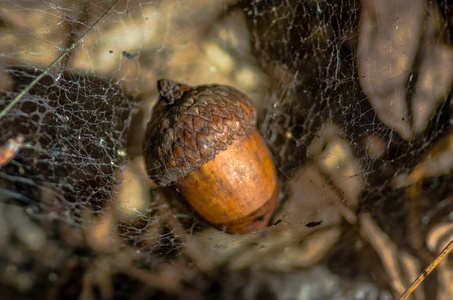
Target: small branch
[
  {"x": 427, "y": 271},
  {"x": 66, "y": 52}
]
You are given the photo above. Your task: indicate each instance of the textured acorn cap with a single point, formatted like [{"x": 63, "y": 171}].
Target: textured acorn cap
[{"x": 190, "y": 125}]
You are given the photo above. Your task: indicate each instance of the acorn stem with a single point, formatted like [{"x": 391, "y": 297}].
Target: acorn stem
[{"x": 171, "y": 90}]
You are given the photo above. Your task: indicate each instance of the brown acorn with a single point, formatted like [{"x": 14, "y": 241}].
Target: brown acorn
[{"x": 203, "y": 140}]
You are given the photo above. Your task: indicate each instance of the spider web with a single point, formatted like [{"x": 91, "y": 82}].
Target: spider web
[{"x": 353, "y": 99}]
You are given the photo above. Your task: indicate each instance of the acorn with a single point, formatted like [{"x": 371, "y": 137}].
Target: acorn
[{"x": 203, "y": 141}]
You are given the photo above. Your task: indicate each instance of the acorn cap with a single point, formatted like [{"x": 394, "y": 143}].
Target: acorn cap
[{"x": 190, "y": 125}]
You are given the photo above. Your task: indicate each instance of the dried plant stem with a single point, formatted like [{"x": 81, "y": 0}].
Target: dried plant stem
[
  {"x": 38, "y": 78},
  {"x": 427, "y": 271}
]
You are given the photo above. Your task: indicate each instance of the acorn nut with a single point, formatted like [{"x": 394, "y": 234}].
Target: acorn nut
[{"x": 203, "y": 140}]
